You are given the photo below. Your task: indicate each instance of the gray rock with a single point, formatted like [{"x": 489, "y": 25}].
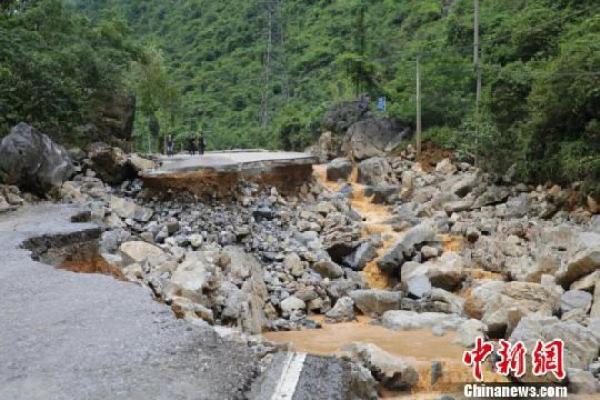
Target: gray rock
[
  {"x": 240, "y": 263},
  {"x": 575, "y": 299},
  {"x": 111, "y": 163},
  {"x": 382, "y": 193},
  {"x": 376, "y": 171},
  {"x": 445, "y": 166},
  {"x": 293, "y": 264},
  {"x": 436, "y": 371},
  {"x": 342, "y": 115},
  {"x": 112, "y": 239},
  {"x": 362, "y": 384},
  {"x": 401, "y": 320},
  {"x": 595, "y": 311},
  {"x": 500, "y": 305},
  {"x": 587, "y": 283},
  {"x": 583, "y": 263},
  {"x": 429, "y": 252},
  {"x": 466, "y": 183},
  {"x": 359, "y": 258},
  {"x": 581, "y": 345},
  {"x": 440, "y": 300},
  {"x": 33, "y": 162},
  {"x": 468, "y": 332},
  {"x": 128, "y": 209},
  {"x": 393, "y": 372},
  {"x": 339, "y": 169},
  {"x": 582, "y": 382},
  {"x": 493, "y": 195},
  {"x": 372, "y": 137},
  {"x": 457, "y": 206},
  {"x": 138, "y": 252},
  {"x": 392, "y": 260},
  {"x": 292, "y": 304},
  {"x": 193, "y": 276},
  {"x": 342, "y": 311},
  {"x": 328, "y": 269},
  {"x": 196, "y": 240},
  {"x": 446, "y": 272},
  {"x": 418, "y": 285},
  {"x": 341, "y": 287},
  {"x": 375, "y": 301}
]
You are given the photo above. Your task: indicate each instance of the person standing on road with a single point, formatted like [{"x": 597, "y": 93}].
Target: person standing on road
[
  {"x": 201, "y": 144},
  {"x": 192, "y": 145},
  {"x": 197, "y": 143},
  {"x": 170, "y": 145}
]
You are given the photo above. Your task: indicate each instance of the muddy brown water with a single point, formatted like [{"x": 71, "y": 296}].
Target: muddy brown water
[{"x": 419, "y": 347}]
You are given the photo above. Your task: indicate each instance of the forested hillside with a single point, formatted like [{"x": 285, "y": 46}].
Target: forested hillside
[
  {"x": 540, "y": 71},
  {"x": 262, "y": 73}
]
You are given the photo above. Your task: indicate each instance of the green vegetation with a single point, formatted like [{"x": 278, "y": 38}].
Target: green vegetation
[
  {"x": 203, "y": 67},
  {"x": 59, "y": 71}
]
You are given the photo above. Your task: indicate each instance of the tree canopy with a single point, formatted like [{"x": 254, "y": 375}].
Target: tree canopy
[{"x": 222, "y": 66}]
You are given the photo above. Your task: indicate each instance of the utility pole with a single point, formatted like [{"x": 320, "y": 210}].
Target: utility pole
[
  {"x": 418, "y": 109},
  {"x": 264, "y": 107},
  {"x": 477, "y": 64},
  {"x": 476, "y": 58},
  {"x": 282, "y": 59}
]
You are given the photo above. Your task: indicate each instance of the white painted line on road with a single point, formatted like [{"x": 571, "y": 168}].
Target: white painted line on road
[{"x": 290, "y": 374}]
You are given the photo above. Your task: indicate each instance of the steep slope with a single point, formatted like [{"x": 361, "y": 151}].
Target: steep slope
[{"x": 324, "y": 51}]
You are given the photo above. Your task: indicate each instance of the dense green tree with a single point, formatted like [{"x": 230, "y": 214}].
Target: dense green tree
[{"x": 205, "y": 69}]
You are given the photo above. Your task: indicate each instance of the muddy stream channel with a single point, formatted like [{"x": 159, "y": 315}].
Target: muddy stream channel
[{"x": 421, "y": 348}]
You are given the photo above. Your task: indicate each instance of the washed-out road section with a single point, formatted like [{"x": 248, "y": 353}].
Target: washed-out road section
[{"x": 68, "y": 335}]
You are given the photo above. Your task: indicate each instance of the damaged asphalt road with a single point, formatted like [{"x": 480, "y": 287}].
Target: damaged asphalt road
[{"x": 67, "y": 335}]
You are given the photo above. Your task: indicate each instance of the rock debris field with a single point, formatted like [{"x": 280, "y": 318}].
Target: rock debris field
[{"x": 442, "y": 248}]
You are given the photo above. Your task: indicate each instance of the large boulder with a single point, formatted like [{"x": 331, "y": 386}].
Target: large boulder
[
  {"x": 128, "y": 209},
  {"x": 468, "y": 332},
  {"x": 326, "y": 148},
  {"x": 359, "y": 258},
  {"x": 500, "y": 305},
  {"x": 403, "y": 320},
  {"x": 435, "y": 300},
  {"x": 195, "y": 276},
  {"x": 401, "y": 250},
  {"x": 33, "y": 162},
  {"x": 581, "y": 345},
  {"x": 595, "y": 311},
  {"x": 328, "y": 269},
  {"x": 375, "y": 301},
  {"x": 292, "y": 304},
  {"x": 342, "y": 311},
  {"x": 393, "y": 372},
  {"x": 342, "y": 115},
  {"x": 141, "y": 164},
  {"x": 340, "y": 168},
  {"x": 373, "y": 137},
  {"x": 376, "y": 171},
  {"x": 111, "y": 163},
  {"x": 446, "y": 272},
  {"x": 575, "y": 299},
  {"x": 138, "y": 252},
  {"x": 583, "y": 263}
]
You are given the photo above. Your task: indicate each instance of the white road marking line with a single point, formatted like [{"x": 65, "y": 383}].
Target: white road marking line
[{"x": 290, "y": 374}]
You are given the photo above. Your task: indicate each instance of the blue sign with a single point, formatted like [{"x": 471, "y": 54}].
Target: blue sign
[{"x": 381, "y": 104}]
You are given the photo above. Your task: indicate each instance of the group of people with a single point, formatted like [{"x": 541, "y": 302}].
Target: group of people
[{"x": 194, "y": 144}]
